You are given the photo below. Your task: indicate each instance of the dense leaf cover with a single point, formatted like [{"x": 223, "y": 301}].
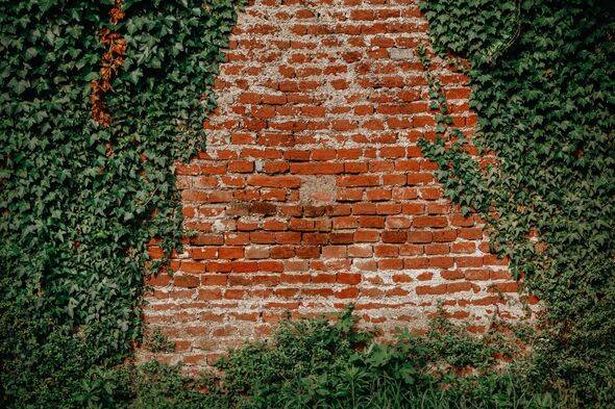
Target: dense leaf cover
[
  {"x": 80, "y": 201},
  {"x": 543, "y": 83},
  {"x": 317, "y": 364}
]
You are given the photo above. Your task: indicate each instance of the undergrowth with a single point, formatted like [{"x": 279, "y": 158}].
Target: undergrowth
[{"x": 318, "y": 364}]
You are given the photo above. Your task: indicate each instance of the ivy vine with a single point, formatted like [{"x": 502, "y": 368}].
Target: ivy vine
[
  {"x": 542, "y": 80},
  {"x": 79, "y": 199}
]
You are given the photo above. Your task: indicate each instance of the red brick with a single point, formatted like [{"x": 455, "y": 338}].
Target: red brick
[
  {"x": 255, "y": 252},
  {"x": 192, "y": 267},
  {"x": 203, "y": 253},
  {"x": 230, "y": 252},
  {"x": 394, "y": 236},
  {"x": 234, "y": 294},
  {"x": 441, "y": 262},
  {"x": 315, "y": 238},
  {"x": 159, "y": 280},
  {"x": 509, "y": 287},
  {"x": 334, "y": 251},
  {"x": 317, "y": 292},
  {"x": 444, "y": 235},
  {"x": 316, "y": 168},
  {"x": 355, "y": 167},
  {"x": 402, "y": 278},
  {"x": 323, "y": 154},
  {"x": 348, "y": 222},
  {"x": 386, "y": 250},
  {"x": 288, "y": 237},
  {"x": 398, "y": 222},
  {"x": 209, "y": 294},
  {"x": 274, "y": 181},
  {"x": 341, "y": 238},
  {"x": 431, "y": 290},
  {"x": 366, "y": 236},
  {"x": 354, "y": 181},
  {"x": 302, "y": 225},
  {"x": 361, "y": 251},
  {"x": 213, "y": 280},
  {"x": 275, "y": 167},
  {"x": 463, "y": 247},
  {"x": 313, "y": 184},
  {"x": 459, "y": 287},
  {"x": 376, "y": 222},
  {"x": 430, "y": 193},
  {"x": 469, "y": 261},
  {"x": 323, "y": 278},
  {"x": 343, "y": 125},
  {"x": 419, "y": 236},
  {"x": 477, "y": 275},
  {"x": 388, "y": 208},
  {"x": 406, "y": 193},
  {"x": 391, "y": 264},
  {"x": 186, "y": 281},
  {"x": 393, "y": 152},
  {"x": 410, "y": 249},
  {"x": 262, "y": 237},
  {"x": 424, "y": 277},
  {"x": 437, "y": 249},
  {"x": 350, "y": 292},
  {"x": 282, "y": 252},
  {"x": 364, "y": 208},
  {"x": 349, "y": 195},
  {"x": 348, "y": 278},
  {"x": 378, "y": 194},
  {"x": 429, "y": 221},
  {"x": 452, "y": 275},
  {"x": 397, "y": 292},
  {"x": 307, "y": 251}
]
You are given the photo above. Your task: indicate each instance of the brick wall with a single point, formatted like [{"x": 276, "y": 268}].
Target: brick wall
[{"x": 313, "y": 193}]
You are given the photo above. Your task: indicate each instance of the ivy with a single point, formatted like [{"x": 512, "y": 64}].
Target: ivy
[
  {"x": 457, "y": 170},
  {"x": 79, "y": 201},
  {"x": 542, "y": 82}
]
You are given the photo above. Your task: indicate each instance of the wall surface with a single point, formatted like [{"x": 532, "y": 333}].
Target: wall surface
[{"x": 313, "y": 192}]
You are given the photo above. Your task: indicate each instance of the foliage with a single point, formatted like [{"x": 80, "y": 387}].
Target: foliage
[
  {"x": 79, "y": 201},
  {"x": 313, "y": 363},
  {"x": 542, "y": 80},
  {"x": 155, "y": 340}
]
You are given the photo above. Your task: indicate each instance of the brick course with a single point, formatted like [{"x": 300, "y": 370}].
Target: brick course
[{"x": 313, "y": 193}]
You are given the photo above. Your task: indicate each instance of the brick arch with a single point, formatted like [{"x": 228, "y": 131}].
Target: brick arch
[{"x": 313, "y": 193}]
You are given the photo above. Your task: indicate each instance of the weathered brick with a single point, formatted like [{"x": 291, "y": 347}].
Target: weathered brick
[
  {"x": 186, "y": 281},
  {"x": 274, "y": 181},
  {"x": 354, "y": 181},
  {"x": 313, "y": 191},
  {"x": 316, "y": 168},
  {"x": 394, "y": 236}
]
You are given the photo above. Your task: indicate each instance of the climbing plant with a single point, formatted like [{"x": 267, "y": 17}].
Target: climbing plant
[
  {"x": 542, "y": 81},
  {"x": 98, "y": 101}
]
